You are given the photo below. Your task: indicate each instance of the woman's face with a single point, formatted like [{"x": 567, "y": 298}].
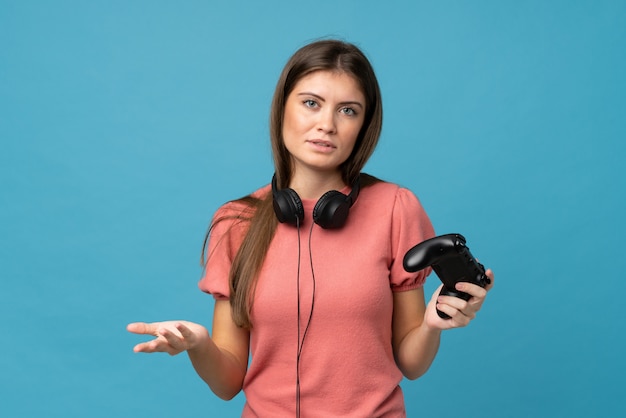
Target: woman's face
[{"x": 323, "y": 117}]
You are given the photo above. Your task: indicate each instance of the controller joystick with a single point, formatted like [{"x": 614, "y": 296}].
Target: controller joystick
[{"x": 451, "y": 260}]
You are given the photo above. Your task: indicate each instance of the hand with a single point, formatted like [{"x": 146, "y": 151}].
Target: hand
[
  {"x": 172, "y": 337},
  {"x": 461, "y": 312}
]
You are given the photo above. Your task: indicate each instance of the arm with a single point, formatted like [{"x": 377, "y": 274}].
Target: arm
[
  {"x": 415, "y": 344},
  {"x": 417, "y": 327},
  {"x": 220, "y": 361}
]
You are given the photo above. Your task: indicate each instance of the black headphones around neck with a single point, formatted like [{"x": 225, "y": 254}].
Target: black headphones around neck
[{"x": 330, "y": 211}]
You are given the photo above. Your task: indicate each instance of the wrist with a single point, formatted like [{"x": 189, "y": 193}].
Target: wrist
[
  {"x": 432, "y": 327},
  {"x": 200, "y": 343}
]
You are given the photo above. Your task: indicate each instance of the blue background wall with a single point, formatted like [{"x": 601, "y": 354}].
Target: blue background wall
[{"x": 124, "y": 124}]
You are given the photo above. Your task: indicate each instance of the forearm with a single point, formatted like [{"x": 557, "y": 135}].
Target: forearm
[
  {"x": 218, "y": 368},
  {"x": 417, "y": 351}
]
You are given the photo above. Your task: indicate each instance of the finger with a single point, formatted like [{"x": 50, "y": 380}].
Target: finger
[
  {"x": 436, "y": 293},
  {"x": 447, "y": 309},
  {"x": 142, "y": 328},
  {"x": 471, "y": 289},
  {"x": 457, "y": 318},
  {"x": 187, "y": 334},
  {"x": 468, "y": 308},
  {"x": 472, "y": 305},
  {"x": 454, "y": 302},
  {"x": 184, "y": 330},
  {"x": 489, "y": 273},
  {"x": 175, "y": 342},
  {"x": 152, "y": 346},
  {"x": 142, "y": 348}
]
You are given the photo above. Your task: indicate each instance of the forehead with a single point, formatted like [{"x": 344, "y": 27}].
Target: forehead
[{"x": 330, "y": 82}]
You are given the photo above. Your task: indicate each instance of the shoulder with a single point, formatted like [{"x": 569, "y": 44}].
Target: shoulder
[
  {"x": 375, "y": 188},
  {"x": 235, "y": 216},
  {"x": 382, "y": 202},
  {"x": 243, "y": 207}
]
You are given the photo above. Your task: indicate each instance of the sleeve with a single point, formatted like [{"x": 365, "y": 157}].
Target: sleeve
[
  {"x": 410, "y": 225},
  {"x": 228, "y": 228}
]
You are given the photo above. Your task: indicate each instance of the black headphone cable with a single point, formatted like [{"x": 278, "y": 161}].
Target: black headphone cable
[{"x": 306, "y": 329}]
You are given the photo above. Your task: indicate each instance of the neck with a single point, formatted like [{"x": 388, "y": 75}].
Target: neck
[{"x": 313, "y": 185}]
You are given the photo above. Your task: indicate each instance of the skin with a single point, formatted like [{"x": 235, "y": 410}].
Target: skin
[
  {"x": 417, "y": 327},
  {"x": 323, "y": 116}
]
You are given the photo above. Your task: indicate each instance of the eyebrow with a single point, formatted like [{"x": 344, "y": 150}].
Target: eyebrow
[{"x": 317, "y": 96}]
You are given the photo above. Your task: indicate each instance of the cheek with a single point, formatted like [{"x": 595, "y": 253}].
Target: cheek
[
  {"x": 354, "y": 133},
  {"x": 291, "y": 123}
]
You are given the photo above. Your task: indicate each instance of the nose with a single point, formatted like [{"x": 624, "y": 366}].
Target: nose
[{"x": 326, "y": 122}]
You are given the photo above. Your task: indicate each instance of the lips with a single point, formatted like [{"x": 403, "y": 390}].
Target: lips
[{"x": 321, "y": 143}]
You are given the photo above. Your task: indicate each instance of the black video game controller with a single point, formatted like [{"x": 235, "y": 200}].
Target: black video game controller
[{"x": 451, "y": 260}]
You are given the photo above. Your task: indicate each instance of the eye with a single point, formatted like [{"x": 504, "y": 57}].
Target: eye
[
  {"x": 310, "y": 103},
  {"x": 348, "y": 111}
]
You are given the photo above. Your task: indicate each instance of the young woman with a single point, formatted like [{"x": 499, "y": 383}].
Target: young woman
[{"x": 307, "y": 272}]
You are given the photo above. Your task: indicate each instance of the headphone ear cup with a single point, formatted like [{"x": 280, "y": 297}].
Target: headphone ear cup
[
  {"x": 288, "y": 206},
  {"x": 331, "y": 210}
]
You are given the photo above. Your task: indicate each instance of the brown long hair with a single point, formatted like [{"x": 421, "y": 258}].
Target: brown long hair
[{"x": 323, "y": 55}]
